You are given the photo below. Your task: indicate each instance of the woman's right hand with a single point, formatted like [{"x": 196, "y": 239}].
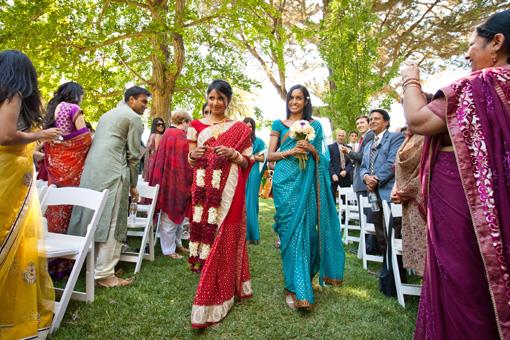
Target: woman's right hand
[
  {"x": 199, "y": 152},
  {"x": 50, "y": 134}
]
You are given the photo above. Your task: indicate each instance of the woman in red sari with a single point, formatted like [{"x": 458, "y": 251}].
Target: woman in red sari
[
  {"x": 219, "y": 154},
  {"x": 466, "y": 180},
  {"x": 64, "y": 159}
]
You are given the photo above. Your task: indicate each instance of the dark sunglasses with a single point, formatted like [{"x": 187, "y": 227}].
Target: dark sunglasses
[{"x": 160, "y": 124}]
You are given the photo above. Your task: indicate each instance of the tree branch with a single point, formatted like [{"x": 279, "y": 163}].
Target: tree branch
[{"x": 126, "y": 65}]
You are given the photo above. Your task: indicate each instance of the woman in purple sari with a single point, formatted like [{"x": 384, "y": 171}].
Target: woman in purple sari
[{"x": 466, "y": 179}]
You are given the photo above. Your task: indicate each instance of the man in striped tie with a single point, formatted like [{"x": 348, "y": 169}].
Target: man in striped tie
[{"x": 377, "y": 167}]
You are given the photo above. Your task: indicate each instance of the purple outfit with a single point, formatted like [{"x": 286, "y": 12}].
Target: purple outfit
[
  {"x": 65, "y": 115},
  {"x": 466, "y": 286}
]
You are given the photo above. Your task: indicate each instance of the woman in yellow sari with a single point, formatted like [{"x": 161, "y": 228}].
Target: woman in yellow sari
[{"x": 26, "y": 290}]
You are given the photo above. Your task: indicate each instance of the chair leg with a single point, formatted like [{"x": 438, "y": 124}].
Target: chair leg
[
  {"x": 141, "y": 254},
  {"x": 398, "y": 282},
  {"x": 66, "y": 294},
  {"x": 151, "y": 246},
  {"x": 89, "y": 275},
  {"x": 347, "y": 221},
  {"x": 363, "y": 248}
]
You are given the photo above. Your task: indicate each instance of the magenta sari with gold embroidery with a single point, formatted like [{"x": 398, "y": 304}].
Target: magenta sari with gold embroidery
[{"x": 466, "y": 289}]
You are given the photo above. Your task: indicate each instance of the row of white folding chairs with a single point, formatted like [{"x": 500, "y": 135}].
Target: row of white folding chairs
[
  {"x": 348, "y": 206},
  {"x": 355, "y": 211},
  {"x": 77, "y": 248},
  {"x": 143, "y": 227},
  {"x": 395, "y": 210}
]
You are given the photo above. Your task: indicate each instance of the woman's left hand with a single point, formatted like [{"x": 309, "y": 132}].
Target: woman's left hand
[
  {"x": 304, "y": 144},
  {"x": 224, "y": 151},
  {"x": 410, "y": 72}
]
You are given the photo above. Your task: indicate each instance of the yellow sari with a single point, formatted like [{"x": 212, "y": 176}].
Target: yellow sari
[{"x": 26, "y": 290}]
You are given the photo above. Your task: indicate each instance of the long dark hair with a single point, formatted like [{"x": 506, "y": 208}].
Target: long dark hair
[
  {"x": 307, "y": 110},
  {"x": 253, "y": 126},
  {"x": 69, "y": 92},
  {"x": 18, "y": 76},
  {"x": 497, "y": 23},
  {"x": 154, "y": 126}
]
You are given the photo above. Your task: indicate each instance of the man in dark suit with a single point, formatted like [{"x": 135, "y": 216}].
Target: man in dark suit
[
  {"x": 340, "y": 166},
  {"x": 377, "y": 167}
]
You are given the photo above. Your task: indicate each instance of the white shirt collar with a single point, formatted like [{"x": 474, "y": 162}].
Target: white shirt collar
[{"x": 380, "y": 136}]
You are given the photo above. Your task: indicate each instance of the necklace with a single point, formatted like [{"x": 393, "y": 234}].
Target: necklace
[{"x": 217, "y": 127}]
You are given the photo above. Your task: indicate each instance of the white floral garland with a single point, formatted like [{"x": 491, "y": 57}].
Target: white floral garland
[
  {"x": 212, "y": 215},
  {"x": 205, "y": 249},
  {"x": 200, "y": 177},
  {"x": 193, "y": 248},
  {"x": 216, "y": 179},
  {"x": 197, "y": 213}
]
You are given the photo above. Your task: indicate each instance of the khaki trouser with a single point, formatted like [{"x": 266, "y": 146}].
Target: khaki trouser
[{"x": 108, "y": 253}]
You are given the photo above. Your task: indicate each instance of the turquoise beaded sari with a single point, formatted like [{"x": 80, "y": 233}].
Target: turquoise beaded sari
[
  {"x": 305, "y": 208},
  {"x": 252, "y": 195}
]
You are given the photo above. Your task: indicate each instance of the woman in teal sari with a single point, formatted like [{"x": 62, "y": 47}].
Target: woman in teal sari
[
  {"x": 306, "y": 219},
  {"x": 253, "y": 186}
]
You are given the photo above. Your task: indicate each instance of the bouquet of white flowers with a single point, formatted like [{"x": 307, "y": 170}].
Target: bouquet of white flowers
[{"x": 302, "y": 130}]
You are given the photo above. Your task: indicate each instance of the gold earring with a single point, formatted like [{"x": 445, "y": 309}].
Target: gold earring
[{"x": 494, "y": 58}]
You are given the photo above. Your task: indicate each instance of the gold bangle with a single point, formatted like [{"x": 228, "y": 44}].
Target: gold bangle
[
  {"x": 239, "y": 158},
  {"x": 410, "y": 85},
  {"x": 191, "y": 161},
  {"x": 411, "y": 82}
]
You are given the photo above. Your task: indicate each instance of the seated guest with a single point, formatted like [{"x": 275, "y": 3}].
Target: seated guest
[
  {"x": 174, "y": 176},
  {"x": 112, "y": 163}
]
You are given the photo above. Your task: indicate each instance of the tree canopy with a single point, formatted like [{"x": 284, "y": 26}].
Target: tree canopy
[{"x": 175, "y": 48}]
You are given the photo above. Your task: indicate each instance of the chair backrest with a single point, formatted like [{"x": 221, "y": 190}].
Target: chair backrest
[
  {"x": 41, "y": 192},
  {"x": 386, "y": 214},
  {"x": 396, "y": 210},
  {"x": 363, "y": 201},
  {"x": 150, "y": 192},
  {"x": 389, "y": 210},
  {"x": 82, "y": 197}
]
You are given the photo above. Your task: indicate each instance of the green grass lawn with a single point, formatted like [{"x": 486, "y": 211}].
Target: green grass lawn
[{"x": 158, "y": 305}]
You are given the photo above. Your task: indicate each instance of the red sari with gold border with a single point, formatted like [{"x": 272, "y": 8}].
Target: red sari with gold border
[{"x": 218, "y": 226}]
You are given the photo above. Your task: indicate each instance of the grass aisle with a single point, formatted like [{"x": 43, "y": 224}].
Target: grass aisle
[{"x": 158, "y": 305}]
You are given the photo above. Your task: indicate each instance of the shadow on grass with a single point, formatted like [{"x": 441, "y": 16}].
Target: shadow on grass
[{"x": 158, "y": 305}]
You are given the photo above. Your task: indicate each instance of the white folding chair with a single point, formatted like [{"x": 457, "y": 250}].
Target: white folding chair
[
  {"x": 350, "y": 208},
  {"x": 396, "y": 249},
  {"x": 42, "y": 187},
  {"x": 366, "y": 229},
  {"x": 143, "y": 227},
  {"x": 72, "y": 247}
]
